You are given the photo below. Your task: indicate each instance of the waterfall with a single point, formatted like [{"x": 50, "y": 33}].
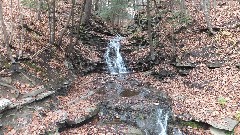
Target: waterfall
[
  {"x": 113, "y": 57},
  {"x": 162, "y": 119}
]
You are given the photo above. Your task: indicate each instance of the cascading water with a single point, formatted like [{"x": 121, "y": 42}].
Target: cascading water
[
  {"x": 113, "y": 57},
  {"x": 157, "y": 122},
  {"x": 162, "y": 119}
]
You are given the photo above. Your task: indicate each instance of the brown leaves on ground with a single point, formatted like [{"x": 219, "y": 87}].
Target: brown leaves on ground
[{"x": 94, "y": 129}]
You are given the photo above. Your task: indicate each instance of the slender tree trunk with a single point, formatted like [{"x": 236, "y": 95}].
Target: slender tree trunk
[
  {"x": 5, "y": 34},
  {"x": 207, "y": 17},
  {"x": 72, "y": 21},
  {"x": 150, "y": 32},
  {"x": 87, "y": 11},
  {"x": 172, "y": 32},
  {"x": 52, "y": 38},
  {"x": 11, "y": 31},
  {"x": 67, "y": 23},
  {"x": 39, "y": 10},
  {"x": 52, "y": 21},
  {"x": 22, "y": 32}
]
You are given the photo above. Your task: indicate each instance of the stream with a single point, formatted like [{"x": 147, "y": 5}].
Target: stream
[{"x": 155, "y": 117}]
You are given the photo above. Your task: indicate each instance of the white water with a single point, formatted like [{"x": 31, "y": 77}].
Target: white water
[
  {"x": 162, "y": 119},
  {"x": 113, "y": 57}
]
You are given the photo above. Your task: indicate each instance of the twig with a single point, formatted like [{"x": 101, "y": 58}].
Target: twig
[
  {"x": 38, "y": 52},
  {"x": 28, "y": 78}
]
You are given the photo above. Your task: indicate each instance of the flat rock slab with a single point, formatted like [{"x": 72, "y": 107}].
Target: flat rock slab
[
  {"x": 4, "y": 103},
  {"x": 29, "y": 100},
  {"x": 216, "y": 131},
  {"x": 226, "y": 124}
]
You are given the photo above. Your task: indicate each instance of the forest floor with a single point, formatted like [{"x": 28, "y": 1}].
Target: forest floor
[{"x": 200, "y": 74}]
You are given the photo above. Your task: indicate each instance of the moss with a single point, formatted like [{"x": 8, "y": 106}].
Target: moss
[
  {"x": 193, "y": 124},
  {"x": 222, "y": 101},
  {"x": 229, "y": 133},
  {"x": 237, "y": 115}
]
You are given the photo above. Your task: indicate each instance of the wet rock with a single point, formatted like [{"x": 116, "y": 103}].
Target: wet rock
[
  {"x": 149, "y": 112},
  {"x": 214, "y": 65},
  {"x": 216, "y": 131},
  {"x": 4, "y": 103},
  {"x": 226, "y": 124}
]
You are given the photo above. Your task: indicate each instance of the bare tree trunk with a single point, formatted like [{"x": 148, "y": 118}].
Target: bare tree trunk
[
  {"x": 67, "y": 23},
  {"x": 11, "y": 31},
  {"x": 87, "y": 11},
  {"x": 52, "y": 38},
  {"x": 22, "y": 32},
  {"x": 5, "y": 34},
  {"x": 172, "y": 33},
  {"x": 152, "y": 47},
  {"x": 39, "y": 10},
  {"x": 52, "y": 21},
  {"x": 206, "y": 13},
  {"x": 72, "y": 21}
]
